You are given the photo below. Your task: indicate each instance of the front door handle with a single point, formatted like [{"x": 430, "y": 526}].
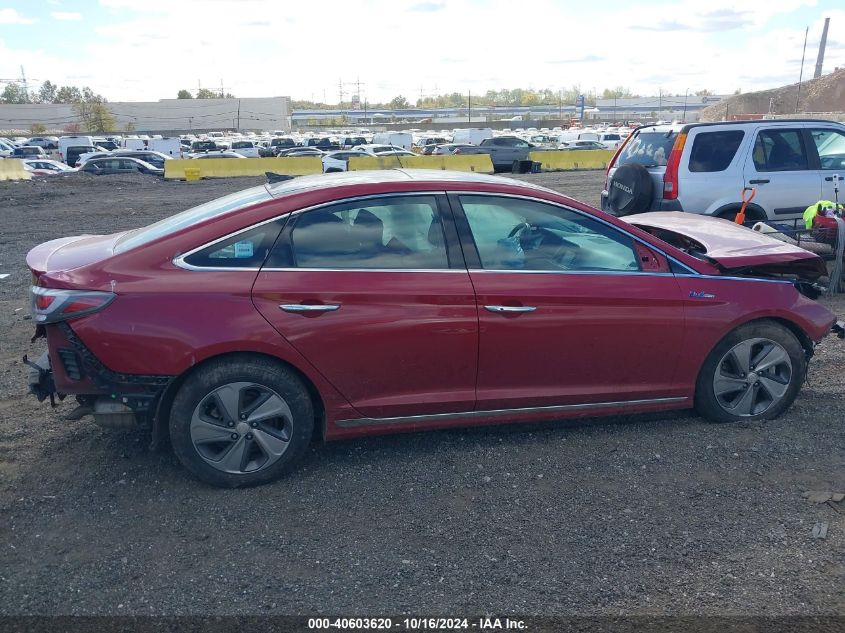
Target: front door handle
[
  {"x": 830, "y": 178},
  {"x": 306, "y": 307},
  {"x": 509, "y": 309},
  {"x": 759, "y": 181}
]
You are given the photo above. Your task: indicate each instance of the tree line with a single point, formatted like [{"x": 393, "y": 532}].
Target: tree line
[{"x": 88, "y": 105}]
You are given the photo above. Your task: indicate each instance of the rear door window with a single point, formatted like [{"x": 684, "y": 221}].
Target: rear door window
[
  {"x": 404, "y": 233},
  {"x": 648, "y": 148},
  {"x": 247, "y": 249},
  {"x": 714, "y": 151},
  {"x": 780, "y": 150},
  {"x": 831, "y": 147}
]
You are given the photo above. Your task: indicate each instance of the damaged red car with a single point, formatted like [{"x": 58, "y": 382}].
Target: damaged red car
[{"x": 371, "y": 302}]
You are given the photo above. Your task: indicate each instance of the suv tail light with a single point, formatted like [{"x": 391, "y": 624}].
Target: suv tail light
[
  {"x": 670, "y": 177},
  {"x": 612, "y": 162},
  {"x": 51, "y": 306}
]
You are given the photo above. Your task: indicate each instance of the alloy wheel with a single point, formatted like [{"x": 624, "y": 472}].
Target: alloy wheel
[
  {"x": 241, "y": 427},
  {"x": 752, "y": 377}
]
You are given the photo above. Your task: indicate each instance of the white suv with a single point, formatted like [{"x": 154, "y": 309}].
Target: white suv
[{"x": 703, "y": 168}]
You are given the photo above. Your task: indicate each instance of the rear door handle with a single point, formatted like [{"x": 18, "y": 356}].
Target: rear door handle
[
  {"x": 305, "y": 307},
  {"x": 509, "y": 309},
  {"x": 830, "y": 178},
  {"x": 759, "y": 181}
]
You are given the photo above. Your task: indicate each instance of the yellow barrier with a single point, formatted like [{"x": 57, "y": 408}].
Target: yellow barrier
[
  {"x": 470, "y": 162},
  {"x": 567, "y": 160},
  {"x": 186, "y": 169},
  {"x": 12, "y": 169}
]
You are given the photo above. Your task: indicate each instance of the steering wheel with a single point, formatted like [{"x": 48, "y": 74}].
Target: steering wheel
[{"x": 519, "y": 229}]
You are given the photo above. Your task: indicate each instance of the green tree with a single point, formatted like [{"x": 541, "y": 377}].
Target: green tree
[
  {"x": 184, "y": 94},
  {"x": 205, "y": 93},
  {"x": 399, "y": 103},
  {"x": 13, "y": 93},
  {"x": 68, "y": 94},
  {"x": 47, "y": 92},
  {"x": 620, "y": 92},
  {"x": 92, "y": 110},
  {"x": 704, "y": 93}
]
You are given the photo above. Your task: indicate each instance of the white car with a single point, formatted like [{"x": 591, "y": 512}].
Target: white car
[
  {"x": 247, "y": 149},
  {"x": 86, "y": 156},
  {"x": 223, "y": 154},
  {"x": 611, "y": 140},
  {"x": 338, "y": 160},
  {"x": 374, "y": 149},
  {"x": 45, "y": 167}
]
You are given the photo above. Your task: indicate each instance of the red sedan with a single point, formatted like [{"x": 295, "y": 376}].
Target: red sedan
[{"x": 359, "y": 303}]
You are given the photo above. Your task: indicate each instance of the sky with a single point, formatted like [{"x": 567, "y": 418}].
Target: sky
[{"x": 145, "y": 50}]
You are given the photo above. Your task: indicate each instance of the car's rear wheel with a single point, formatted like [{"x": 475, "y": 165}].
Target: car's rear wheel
[
  {"x": 754, "y": 373},
  {"x": 241, "y": 421}
]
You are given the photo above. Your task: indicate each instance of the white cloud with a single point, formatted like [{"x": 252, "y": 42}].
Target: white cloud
[
  {"x": 149, "y": 50},
  {"x": 66, "y": 16},
  {"x": 11, "y": 16}
]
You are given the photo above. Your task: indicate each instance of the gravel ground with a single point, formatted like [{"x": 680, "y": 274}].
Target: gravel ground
[{"x": 654, "y": 514}]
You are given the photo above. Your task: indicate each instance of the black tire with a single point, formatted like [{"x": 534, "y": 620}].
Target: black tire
[
  {"x": 263, "y": 373},
  {"x": 629, "y": 190},
  {"x": 712, "y": 406}
]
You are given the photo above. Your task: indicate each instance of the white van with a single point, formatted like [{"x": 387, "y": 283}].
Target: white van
[
  {"x": 73, "y": 141},
  {"x": 134, "y": 143},
  {"x": 169, "y": 145},
  {"x": 471, "y": 135},
  {"x": 398, "y": 139}
]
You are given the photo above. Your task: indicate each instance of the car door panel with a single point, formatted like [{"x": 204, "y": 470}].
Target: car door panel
[
  {"x": 585, "y": 336},
  {"x": 409, "y": 336},
  {"x": 780, "y": 170}
]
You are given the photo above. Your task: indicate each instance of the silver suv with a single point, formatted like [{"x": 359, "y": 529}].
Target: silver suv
[{"x": 703, "y": 168}]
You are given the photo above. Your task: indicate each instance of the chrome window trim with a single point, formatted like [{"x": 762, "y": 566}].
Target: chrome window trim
[
  {"x": 729, "y": 278},
  {"x": 365, "y": 270},
  {"x": 581, "y": 213},
  {"x": 179, "y": 260},
  {"x": 623, "y": 273},
  {"x": 418, "y": 419}
]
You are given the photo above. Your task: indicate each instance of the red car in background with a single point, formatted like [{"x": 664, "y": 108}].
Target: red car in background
[{"x": 371, "y": 302}]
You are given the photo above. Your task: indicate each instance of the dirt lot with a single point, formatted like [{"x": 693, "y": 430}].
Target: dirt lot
[{"x": 660, "y": 514}]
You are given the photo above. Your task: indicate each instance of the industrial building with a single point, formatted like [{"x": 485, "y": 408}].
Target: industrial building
[{"x": 166, "y": 115}]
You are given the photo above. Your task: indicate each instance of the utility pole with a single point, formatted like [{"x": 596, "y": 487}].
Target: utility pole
[
  {"x": 239, "y": 116},
  {"x": 686, "y": 93},
  {"x": 469, "y": 106},
  {"x": 801, "y": 73},
  {"x": 25, "y": 86},
  {"x": 822, "y": 45}
]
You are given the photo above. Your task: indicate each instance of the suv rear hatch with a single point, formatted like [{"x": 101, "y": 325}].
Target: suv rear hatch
[{"x": 649, "y": 147}]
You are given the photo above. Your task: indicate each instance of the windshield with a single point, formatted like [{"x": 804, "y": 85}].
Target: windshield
[
  {"x": 648, "y": 148},
  {"x": 203, "y": 212}
]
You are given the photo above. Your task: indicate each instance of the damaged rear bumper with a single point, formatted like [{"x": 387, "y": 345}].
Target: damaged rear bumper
[{"x": 70, "y": 368}]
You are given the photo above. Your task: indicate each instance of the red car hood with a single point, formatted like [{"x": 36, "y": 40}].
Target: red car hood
[
  {"x": 68, "y": 253},
  {"x": 731, "y": 245}
]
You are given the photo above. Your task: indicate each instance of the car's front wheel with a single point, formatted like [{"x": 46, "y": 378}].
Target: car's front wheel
[
  {"x": 241, "y": 421},
  {"x": 754, "y": 373}
]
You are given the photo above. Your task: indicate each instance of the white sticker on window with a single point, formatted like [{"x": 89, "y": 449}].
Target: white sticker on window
[{"x": 243, "y": 249}]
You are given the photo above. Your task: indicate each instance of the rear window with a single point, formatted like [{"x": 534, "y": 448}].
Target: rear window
[
  {"x": 648, "y": 148},
  {"x": 213, "y": 209},
  {"x": 714, "y": 151}
]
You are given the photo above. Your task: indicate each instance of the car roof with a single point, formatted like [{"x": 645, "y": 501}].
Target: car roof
[{"x": 322, "y": 181}]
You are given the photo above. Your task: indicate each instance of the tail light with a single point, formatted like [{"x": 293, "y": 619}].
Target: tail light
[
  {"x": 613, "y": 160},
  {"x": 670, "y": 177},
  {"x": 51, "y": 306}
]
